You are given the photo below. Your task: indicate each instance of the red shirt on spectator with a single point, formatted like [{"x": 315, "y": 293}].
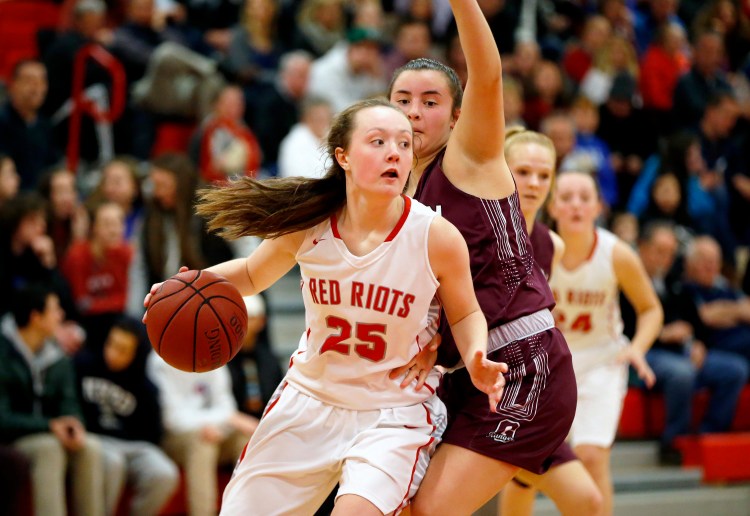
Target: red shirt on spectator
[
  {"x": 98, "y": 285},
  {"x": 660, "y": 72}
]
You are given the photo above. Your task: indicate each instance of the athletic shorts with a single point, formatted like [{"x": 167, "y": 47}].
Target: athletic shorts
[
  {"x": 304, "y": 447},
  {"x": 602, "y": 384},
  {"x": 535, "y": 413}
]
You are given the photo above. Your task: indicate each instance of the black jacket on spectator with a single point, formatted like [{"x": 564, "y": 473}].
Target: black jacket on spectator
[
  {"x": 31, "y": 146},
  {"x": 123, "y": 404}
]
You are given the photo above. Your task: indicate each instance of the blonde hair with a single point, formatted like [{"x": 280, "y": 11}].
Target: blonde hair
[{"x": 519, "y": 135}]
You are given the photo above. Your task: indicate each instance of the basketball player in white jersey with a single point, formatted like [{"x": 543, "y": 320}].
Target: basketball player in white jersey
[
  {"x": 338, "y": 417},
  {"x": 595, "y": 266}
]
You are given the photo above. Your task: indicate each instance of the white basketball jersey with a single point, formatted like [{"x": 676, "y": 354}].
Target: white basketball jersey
[
  {"x": 588, "y": 298},
  {"x": 365, "y": 315}
]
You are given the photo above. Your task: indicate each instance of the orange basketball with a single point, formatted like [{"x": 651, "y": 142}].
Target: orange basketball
[{"x": 196, "y": 321}]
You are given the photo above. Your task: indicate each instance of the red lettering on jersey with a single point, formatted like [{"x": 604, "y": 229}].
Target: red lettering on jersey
[
  {"x": 335, "y": 292},
  {"x": 370, "y": 288},
  {"x": 396, "y": 296},
  {"x": 313, "y": 284},
  {"x": 381, "y": 299},
  {"x": 323, "y": 291},
  {"x": 357, "y": 289},
  {"x": 408, "y": 300}
]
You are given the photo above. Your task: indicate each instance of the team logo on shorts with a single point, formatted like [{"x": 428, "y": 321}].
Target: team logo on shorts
[{"x": 505, "y": 431}]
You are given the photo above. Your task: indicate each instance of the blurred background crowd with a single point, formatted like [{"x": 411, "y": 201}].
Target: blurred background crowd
[{"x": 114, "y": 113}]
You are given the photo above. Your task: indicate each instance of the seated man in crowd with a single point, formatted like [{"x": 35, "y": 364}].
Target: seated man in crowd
[
  {"x": 680, "y": 360},
  {"x": 39, "y": 411},
  {"x": 723, "y": 309}
]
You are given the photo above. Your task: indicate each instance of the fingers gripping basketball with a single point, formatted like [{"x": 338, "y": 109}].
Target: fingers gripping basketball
[{"x": 196, "y": 321}]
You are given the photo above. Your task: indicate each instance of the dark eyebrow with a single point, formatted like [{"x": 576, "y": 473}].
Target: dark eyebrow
[{"x": 428, "y": 92}]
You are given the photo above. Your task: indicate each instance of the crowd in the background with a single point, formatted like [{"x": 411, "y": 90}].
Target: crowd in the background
[{"x": 651, "y": 97}]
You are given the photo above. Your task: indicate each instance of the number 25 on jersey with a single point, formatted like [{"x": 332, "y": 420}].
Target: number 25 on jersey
[{"x": 370, "y": 342}]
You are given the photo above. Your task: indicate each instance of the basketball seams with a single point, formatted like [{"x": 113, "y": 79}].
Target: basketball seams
[{"x": 223, "y": 307}]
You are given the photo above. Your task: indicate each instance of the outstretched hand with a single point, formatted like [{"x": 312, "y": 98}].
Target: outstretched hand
[
  {"x": 419, "y": 366},
  {"x": 154, "y": 288},
  {"x": 638, "y": 361},
  {"x": 487, "y": 376}
]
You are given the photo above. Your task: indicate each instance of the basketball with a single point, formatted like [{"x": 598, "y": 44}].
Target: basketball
[{"x": 196, "y": 321}]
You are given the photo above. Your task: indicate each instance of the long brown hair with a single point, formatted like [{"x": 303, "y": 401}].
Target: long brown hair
[{"x": 270, "y": 208}]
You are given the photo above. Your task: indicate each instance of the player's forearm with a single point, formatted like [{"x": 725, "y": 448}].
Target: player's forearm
[
  {"x": 235, "y": 272},
  {"x": 648, "y": 328},
  {"x": 477, "y": 41},
  {"x": 470, "y": 334}
]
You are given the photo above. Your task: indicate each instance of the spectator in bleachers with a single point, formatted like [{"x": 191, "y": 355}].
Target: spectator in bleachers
[
  {"x": 203, "y": 428},
  {"x": 42, "y": 418},
  {"x": 703, "y": 81},
  {"x": 172, "y": 234},
  {"x": 10, "y": 181},
  {"x": 522, "y": 63},
  {"x": 121, "y": 407},
  {"x": 87, "y": 28},
  {"x": 619, "y": 17},
  {"x": 27, "y": 253},
  {"x": 561, "y": 129},
  {"x": 738, "y": 184},
  {"x": 96, "y": 269},
  {"x": 67, "y": 218},
  {"x": 25, "y": 134},
  {"x": 14, "y": 480},
  {"x": 667, "y": 202},
  {"x": 730, "y": 19},
  {"x": 120, "y": 183},
  {"x": 320, "y": 25},
  {"x": 135, "y": 40},
  {"x": 722, "y": 160},
  {"x": 302, "y": 151},
  {"x": 626, "y": 227},
  {"x": 513, "y": 102},
  {"x": 722, "y": 308},
  {"x": 273, "y": 111},
  {"x": 616, "y": 57},
  {"x": 590, "y": 153},
  {"x": 255, "y": 369},
  {"x": 211, "y": 19},
  {"x": 680, "y": 357},
  {"x": 352, "y": 70},
  {"x": 546, "y": 94},
  {"x": 223, "y": 146},
  {"x": 254, "y": 49},
  {"x": 649, "y": 16},
  {"x": 579, "y": 56},
  {"x": 619, "y": 121},
  {"x": 662, "y": 65},
  {"x": 412, "y": 40}
]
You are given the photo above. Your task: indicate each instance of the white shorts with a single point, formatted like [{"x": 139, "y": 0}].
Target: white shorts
[
  {"x": 602, "y": 384},
  {"x": 303, "y": 448}
]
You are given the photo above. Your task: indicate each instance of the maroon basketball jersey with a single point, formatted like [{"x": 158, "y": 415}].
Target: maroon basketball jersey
[
  {"x": 508, "y": 282},
  {"x": 544, "y": 249}
]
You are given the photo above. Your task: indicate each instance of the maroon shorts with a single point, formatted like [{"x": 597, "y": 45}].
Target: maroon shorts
[{"x": 536, "y": 411}]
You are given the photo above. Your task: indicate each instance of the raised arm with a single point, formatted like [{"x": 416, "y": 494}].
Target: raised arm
[{"x": 475, "y": 147}]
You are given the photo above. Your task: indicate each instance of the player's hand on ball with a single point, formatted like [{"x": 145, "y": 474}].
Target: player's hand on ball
[
  {"x": 487, "y": 376},
  {"x": 152, "y": 291}
]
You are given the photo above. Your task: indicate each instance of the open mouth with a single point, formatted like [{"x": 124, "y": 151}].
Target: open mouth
[{"x": 390, "y": 174}]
